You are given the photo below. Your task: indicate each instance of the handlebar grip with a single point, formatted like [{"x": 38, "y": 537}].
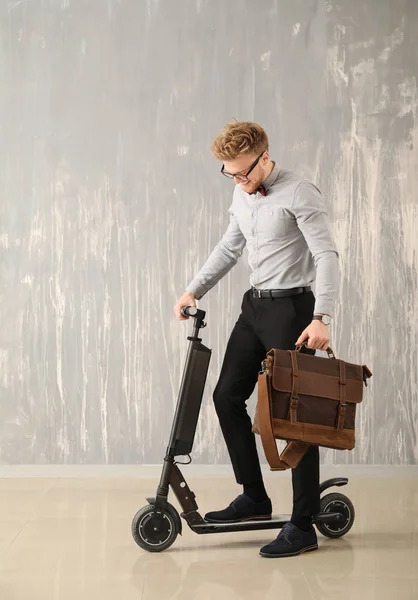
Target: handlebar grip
[{"x": 189, "y": 311}]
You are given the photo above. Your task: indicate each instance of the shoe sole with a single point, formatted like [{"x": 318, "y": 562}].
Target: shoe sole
[
  {"x": 259, "y": 518},
  {"x": 307, "y": 549}
]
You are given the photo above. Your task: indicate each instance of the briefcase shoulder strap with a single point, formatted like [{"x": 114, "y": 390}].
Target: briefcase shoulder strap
[{"x": 293, "y": 452}]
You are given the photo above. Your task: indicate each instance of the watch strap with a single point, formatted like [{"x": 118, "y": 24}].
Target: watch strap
[{"x": 320, "y": 318}]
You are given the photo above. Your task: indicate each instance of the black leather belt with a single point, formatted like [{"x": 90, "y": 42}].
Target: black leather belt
[{"x": 279, "y": 293}]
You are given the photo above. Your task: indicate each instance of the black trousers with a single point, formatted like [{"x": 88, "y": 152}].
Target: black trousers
[{"x": 263, "y": 324}]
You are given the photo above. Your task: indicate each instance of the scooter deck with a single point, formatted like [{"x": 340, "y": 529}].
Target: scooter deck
[{"x": 276, "y": 522}]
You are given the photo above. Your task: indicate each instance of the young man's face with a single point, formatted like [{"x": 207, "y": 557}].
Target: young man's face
[{"x": 240, "y": 166}]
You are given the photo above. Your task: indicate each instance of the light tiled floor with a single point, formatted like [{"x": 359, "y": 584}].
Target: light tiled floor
[{"x": 63, "y": 539}]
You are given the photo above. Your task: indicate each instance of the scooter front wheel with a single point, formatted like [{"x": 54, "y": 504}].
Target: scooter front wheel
[{"x": 155, "y": 531}]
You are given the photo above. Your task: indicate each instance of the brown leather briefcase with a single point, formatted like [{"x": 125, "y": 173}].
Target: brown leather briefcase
[{"x": 306, "y": 399}]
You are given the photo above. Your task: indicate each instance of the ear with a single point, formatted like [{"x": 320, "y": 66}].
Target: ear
[{"x": 266, "y": 156}]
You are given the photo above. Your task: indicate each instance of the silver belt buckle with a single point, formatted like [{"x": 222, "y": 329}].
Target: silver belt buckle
[{"x": 258, "y": 293}]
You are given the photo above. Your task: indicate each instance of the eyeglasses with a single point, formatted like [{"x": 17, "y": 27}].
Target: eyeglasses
[{"x": 241, "y": 176}]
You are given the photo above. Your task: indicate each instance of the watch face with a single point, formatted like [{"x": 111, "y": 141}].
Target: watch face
[{"x": 326, "y": 320}]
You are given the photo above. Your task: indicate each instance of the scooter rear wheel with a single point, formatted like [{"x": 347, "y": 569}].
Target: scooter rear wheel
[
  {"x": 154, "y": 532},
  {"x": 337, "y": 503}
]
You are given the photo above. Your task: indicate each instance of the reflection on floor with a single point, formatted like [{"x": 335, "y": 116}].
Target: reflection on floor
[{"x": 63, "y": 539}]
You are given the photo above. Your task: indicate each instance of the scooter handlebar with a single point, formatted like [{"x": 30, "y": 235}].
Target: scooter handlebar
[
  {"x": 192, "y": 311},
  {"x": 189, "y": 311}
]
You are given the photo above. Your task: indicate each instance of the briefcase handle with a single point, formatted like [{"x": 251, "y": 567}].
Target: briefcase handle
[{"x": 304, "y": 343}]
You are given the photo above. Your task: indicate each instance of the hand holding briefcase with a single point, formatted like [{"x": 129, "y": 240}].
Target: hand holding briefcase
[{"x": 306, "y": 399}]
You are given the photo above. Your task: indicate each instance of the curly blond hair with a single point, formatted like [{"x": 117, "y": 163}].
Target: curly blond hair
[{"x": 238, "y": 138}]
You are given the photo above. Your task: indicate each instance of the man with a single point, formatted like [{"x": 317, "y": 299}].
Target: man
[{"x": 282, "y": 219}]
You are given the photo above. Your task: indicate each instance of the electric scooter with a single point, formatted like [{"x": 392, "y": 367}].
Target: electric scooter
[{"x": 155, "y": 526}]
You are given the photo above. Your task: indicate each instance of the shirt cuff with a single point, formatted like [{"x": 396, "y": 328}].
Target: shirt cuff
[
  {"x": 324, "y": 308},
  {"x": 197, "y": 289}
]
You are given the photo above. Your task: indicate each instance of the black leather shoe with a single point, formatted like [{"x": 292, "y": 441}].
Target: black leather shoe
[
  {"x": 291, "y": 541},
  {"x": 241, "y": 509}
]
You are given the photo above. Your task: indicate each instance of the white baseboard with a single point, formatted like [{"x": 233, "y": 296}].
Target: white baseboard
[{"x": 194, "y": 470}]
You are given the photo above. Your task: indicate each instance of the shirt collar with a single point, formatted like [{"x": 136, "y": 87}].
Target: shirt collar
[{"x": 271, "y": 178}]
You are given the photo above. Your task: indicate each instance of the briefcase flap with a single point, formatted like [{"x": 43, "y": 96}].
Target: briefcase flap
[{"x": 317, "y": 376}]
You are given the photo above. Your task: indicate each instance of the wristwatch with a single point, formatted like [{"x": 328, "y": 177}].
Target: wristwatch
[{"x": 326, "y": 319}]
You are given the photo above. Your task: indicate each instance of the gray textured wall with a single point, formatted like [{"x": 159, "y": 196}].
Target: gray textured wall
[{"x": 110, "y": 201}]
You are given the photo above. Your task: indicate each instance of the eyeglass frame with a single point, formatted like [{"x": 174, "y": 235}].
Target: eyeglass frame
[{"x": 237, "y": 175}]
